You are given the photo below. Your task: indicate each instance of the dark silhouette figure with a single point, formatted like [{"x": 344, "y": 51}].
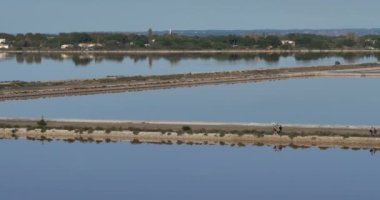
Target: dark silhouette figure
[
  {"x": 277, "y": 129},
  {"x": 373, "y": 131}
]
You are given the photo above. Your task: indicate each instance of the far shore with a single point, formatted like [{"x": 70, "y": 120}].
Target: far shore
[
  {"x": 351, "y": 136},
  {"x": 206, "y": 51}
]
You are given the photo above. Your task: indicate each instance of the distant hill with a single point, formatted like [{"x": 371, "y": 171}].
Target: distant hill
[{"x": 329, "y": 32}]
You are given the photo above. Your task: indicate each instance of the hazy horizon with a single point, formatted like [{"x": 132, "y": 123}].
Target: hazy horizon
[
  {"x": 53, "y": 16},
  {"x": 200, "y": 30}
]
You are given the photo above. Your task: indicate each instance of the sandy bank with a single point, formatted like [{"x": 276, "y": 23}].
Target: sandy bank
[
  {"x": 193, "y": 138},
  {"x": 193, "y": 132},
  {"x": 37, "y": 89}
]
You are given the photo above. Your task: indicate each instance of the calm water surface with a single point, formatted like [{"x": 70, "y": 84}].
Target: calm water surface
[
  {"x": 58, "y": 170},
  {"x": 29, "y": 67},
  {"x": 314, "y": 100}
]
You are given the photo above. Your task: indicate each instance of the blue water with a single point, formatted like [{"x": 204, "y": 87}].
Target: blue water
[
  {"x": 58, "y": 170},
  {"x": 313, "y": 100},
  {"x": 30, "y": 67}
]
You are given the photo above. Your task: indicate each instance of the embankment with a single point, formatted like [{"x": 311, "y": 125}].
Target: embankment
[
  {"x": 191, "y": 132},
  {"x": 37, "y": 89}
]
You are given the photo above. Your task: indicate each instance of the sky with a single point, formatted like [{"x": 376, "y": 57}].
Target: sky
[{"x": 53, "y": 16}]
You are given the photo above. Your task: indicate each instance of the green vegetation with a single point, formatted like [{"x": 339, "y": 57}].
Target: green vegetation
[
  {"x": 42, "y": 124},
  {"x": 152, "y": 41}
]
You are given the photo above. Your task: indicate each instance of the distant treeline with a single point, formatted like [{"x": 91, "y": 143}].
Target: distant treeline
[{"x": 152, "y": 41}]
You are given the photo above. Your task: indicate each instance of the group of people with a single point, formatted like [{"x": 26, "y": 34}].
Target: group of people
[{"x": 277, "y": 128}]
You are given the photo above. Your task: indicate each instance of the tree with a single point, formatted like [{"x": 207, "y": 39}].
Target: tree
[{"x": 270, "y": 40}]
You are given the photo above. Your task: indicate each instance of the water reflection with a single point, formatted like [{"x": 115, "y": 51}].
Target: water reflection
[
  {"x": 175, "y": 59},
  {"x": 276, "y": 148},
  {"x": 54, "y": 66},
  {"x": 58, "y": 170},
  {"x": 373, "y": 151}
]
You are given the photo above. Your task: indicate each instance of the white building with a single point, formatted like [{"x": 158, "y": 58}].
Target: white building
[
  {"x": 371, "y": 42},
  {"x": 67, "y": 46},
  {"x": 2, "y": 40},
  {"x": 4, "y": 46},
  {"x": 86, "y": 45},
  {"x": 89, "y": 45},
  {"x": 288, "y": 42}
]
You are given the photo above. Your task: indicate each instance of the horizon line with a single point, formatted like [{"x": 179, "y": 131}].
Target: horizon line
[{"x": 204, "y": 30}]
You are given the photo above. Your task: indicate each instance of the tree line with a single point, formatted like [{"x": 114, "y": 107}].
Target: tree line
[{"x": 150, "y": 40}]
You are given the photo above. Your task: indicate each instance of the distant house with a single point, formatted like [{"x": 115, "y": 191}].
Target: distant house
[
  {"x": 147, "y": 45},
  {"x": 4, "y": 46},
  {"x": 89, "y": 45},
  {"x": 67, "y": 46},
  {"x": 370, "y": 42},
  {"x": 288, "y": 42}
]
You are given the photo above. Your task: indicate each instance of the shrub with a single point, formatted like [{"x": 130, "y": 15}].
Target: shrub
[
  {"x": 186, "y": 128},
  {"x": 42, "y": 123}
]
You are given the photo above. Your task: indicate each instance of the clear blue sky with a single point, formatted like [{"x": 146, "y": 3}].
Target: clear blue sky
[{"x": 138, "y": 15}]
